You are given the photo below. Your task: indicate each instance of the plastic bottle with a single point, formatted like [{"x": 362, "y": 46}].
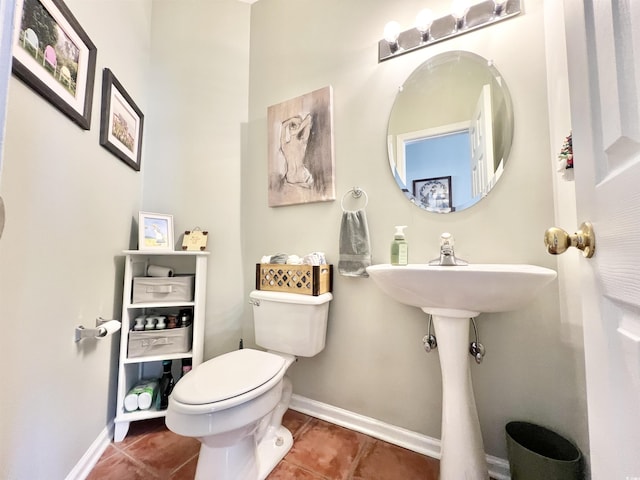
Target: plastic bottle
[
  {"x": 399, "y": 247},
  {"x": 166, "y": 384}
]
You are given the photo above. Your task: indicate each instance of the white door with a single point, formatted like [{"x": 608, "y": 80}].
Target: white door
[
  {"x": 481, "y": 138},
  {"x": 603, "y": 50},
  {"x": 6, "y": 35}
]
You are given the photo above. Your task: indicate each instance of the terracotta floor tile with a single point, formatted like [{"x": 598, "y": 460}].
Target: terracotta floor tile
[
  {"x": 120, "y": 467},
  {"x": 140, "y": 429},
  {"x": 321, "y": 451},
  {"x": 288, "y": 471},
  {"x": 384, "y": 461},
  {"x": 294, "y": 421},
  {"x": 327, "y": 449},
  {"x": 187, "y": 471},
  {"x": 164, "y": 451},
  {"x": 110, "y": 450}
]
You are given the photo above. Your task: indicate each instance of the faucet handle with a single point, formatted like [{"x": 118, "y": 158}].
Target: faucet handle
[{"x": 446, "y": 243}]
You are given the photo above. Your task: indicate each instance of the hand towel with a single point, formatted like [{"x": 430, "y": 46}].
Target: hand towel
[{"x": 355, "y": 251}]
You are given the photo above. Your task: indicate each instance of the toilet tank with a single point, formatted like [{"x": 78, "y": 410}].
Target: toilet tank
[{"x": 290, "y": 322}]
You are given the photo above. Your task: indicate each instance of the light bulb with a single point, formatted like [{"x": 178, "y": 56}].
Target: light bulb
[
  {"x": 392, "y": 32},
  {"x": 459, "y": 9},
  {"x": 424, "y": 20},
  {"x": 499, "y": 6}
]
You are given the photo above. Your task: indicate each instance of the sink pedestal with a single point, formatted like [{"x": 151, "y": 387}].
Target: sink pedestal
[
  {"x": 462, "y": 451},
  {"x": 452, "y": 295}
]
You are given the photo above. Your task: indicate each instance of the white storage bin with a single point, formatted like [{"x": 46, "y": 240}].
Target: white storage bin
[
  {"x": 163, "y": 289},
  {"x": 159, "y": 342}
]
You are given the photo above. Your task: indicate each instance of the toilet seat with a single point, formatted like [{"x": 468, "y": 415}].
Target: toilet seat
[{"x": 228, "y": 380}]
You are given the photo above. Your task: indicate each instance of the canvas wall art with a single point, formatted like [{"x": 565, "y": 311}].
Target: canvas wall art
[{"x": 301, "y": 154}]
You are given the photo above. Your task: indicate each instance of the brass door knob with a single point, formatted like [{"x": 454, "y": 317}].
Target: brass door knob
[{"x": 558, "y": 240}]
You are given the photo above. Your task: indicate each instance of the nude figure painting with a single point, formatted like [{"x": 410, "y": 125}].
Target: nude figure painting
[{"x": 301, "y": 159}]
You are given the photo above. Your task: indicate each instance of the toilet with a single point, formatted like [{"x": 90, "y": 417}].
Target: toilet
[{"x": 234, "y": 403}]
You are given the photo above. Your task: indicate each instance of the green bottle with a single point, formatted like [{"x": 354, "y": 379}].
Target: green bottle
[{"x": 399, "y": 247}]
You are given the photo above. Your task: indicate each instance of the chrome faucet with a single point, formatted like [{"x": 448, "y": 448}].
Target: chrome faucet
[{"x": 447, "y": 256}]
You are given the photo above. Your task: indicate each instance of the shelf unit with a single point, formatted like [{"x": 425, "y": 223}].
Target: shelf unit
[{"x": 132, "y": 370}]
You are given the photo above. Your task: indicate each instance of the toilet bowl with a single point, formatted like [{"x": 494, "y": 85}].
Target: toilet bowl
[{"x": 234, "y": 403}]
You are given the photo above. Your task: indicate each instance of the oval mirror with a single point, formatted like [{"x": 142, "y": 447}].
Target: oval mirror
[{"x": 450, "y": 132}]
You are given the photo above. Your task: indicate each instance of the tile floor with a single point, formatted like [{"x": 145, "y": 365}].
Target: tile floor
[{"x": 321, "y": 451}]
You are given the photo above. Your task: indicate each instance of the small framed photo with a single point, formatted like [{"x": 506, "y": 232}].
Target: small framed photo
[
  {"x": 55, "y": 57},
  {"x": 434, "y": 193},
  {"x": 121, "y": 122},
  {"x": 155, "y": 231}
]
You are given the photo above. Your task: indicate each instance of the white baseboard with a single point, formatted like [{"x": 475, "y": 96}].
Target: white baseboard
[
  {"x": 83, "y": 468},
  {"x": 417, "y": 442}
]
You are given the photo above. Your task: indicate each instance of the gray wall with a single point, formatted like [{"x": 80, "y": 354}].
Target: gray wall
[
  {"x": 199, "y": 83},
  {"x": 373, "y": 363},
  {"x": 70, "y": 205}
]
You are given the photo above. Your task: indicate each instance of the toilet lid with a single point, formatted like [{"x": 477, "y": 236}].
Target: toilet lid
[{"x": 227, "y": 376}]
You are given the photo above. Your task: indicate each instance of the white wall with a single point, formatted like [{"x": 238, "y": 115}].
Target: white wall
[
  {"x": 70, "y": 205},
  {"x": 374, "y": 363}
]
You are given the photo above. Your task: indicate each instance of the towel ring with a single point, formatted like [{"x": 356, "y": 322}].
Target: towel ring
[{"x": 355, "y": 193}]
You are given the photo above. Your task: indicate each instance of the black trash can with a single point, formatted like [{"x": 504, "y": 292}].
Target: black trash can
[{"x": 537, "y": 453}]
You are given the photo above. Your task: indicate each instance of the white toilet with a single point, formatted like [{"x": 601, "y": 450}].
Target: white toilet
[{"x": 234, "y": 403}]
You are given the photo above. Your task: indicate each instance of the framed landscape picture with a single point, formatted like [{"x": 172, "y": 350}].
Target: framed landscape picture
[
  {"x": 121, "y": 122},
  {"x": 54, "y": 56}
]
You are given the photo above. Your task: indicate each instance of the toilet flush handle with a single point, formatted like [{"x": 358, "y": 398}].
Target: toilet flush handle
[{"x": 255, "y": 303}]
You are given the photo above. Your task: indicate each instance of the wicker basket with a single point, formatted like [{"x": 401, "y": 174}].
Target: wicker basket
[{"x": 305, "y": 279}]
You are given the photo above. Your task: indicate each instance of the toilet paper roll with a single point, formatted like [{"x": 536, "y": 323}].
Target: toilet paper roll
[
  {"x": 109, "y": 328},
  {"x": 144, "y": 400},
  {"x": 158, "y": 271},
  {"x": 131, "y": 402}
]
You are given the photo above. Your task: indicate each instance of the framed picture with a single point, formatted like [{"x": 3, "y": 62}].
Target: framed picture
[
  {"x": 54, "y": 56},
  {"x": 301, "y": 159},
  {"x": 121, "y": 122},
  {"x": 195, "y": 240},
  {"x": 434, "y": 193},
  {"x": 155, "y": 231}
]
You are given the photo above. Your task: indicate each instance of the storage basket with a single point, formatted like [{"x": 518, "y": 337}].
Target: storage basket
[
  {"x": 160, "y": 342},
  {"x": 163, "y": 289},
  {"x": 305, "y": 279}
]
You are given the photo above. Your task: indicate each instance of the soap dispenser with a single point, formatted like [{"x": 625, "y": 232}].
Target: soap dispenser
[{"x": 399, "y": 247}]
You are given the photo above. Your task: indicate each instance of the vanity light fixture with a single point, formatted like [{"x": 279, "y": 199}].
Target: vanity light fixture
[{"x": 428, "y": 30}]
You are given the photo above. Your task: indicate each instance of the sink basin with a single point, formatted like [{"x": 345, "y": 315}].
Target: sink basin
[
  {"x": 462, "y": 291},
  {"x": 452, "y": 295}
]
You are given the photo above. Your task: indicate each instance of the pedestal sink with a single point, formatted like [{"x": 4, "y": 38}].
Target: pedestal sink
[{"x": 453, "y": 295}]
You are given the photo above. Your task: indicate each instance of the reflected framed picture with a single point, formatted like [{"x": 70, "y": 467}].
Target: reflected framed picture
[
  {"x": 434, "y": 193},
  {"x": 121, "y": 122},
  {"x": 155, "y": 232},
  {"x": 54, "y": 56}
]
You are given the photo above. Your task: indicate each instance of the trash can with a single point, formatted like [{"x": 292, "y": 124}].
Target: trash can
[{"x": 537, "y": 453}]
